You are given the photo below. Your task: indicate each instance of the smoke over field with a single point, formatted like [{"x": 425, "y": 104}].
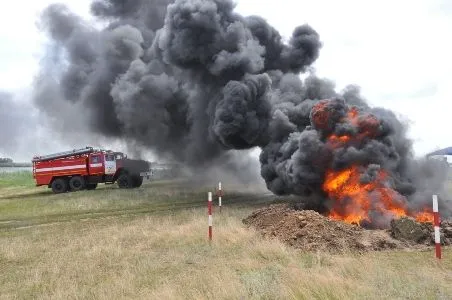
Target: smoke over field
[
  {"x": 193, "y": 80},
  {"x": 20, "y": 129}
]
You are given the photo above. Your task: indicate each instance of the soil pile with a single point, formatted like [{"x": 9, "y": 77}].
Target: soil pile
[
  {"x": 310, "y": 231},
  {"x": 407, "y": 229}
]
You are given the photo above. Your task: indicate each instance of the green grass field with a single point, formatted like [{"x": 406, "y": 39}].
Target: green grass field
[{"x": 152, "y": 243}]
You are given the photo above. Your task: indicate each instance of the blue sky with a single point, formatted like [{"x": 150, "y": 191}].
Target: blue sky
[{"x": 397, "y": 51}]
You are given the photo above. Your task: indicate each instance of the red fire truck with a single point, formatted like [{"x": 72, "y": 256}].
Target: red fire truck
[{"x": 84, "y": 168}]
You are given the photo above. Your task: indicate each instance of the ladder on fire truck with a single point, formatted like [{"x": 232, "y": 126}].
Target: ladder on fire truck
[{"x": 81, "y": 151}]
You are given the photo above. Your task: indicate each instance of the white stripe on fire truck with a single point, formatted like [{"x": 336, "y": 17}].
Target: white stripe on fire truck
[
  {"x": 60, "y": 168},
  {"x": 95, "y": 165}
]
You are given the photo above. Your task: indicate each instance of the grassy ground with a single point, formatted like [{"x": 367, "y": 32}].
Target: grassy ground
[
  {"x": 15, "y": 180},
  {"x": 152, "y": 243}
]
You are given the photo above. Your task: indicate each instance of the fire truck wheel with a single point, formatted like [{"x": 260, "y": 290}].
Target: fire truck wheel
[
  {"x": 77, "y": 183},
  {"x": 125, "y": 181},
  {"x": 91, "y": 186},
  {"x": 137, "y": 181},
  {"x": 59, "y": 185}
]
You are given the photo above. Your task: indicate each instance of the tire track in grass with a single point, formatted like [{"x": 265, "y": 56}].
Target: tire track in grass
[{"x": 249, "y": 200}]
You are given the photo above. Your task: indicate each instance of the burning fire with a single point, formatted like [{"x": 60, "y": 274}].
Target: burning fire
[
  {"x": 355, "y": 199},
  {"x": 425, "y": 217}
]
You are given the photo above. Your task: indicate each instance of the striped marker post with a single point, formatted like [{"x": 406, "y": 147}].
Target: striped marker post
[
  {"x": 436, "y": 227},
  {"x": 209, "y": 208},
  {"x": 220, "y": 195}
]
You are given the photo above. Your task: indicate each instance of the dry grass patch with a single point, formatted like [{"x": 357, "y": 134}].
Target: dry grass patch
[
  {"x": 169, "y": 257},
  {"x": 152, "y": 243}
]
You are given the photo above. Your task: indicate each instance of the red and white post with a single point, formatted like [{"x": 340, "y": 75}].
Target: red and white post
[
  {"x": 436, "y": 227},
  {"x": 220, "y": 195},
  {"x": 209, "y": 208}
]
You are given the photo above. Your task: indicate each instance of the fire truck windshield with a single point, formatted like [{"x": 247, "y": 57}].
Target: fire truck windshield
[
  {"x": 119, "y": 156},
  {"x": 109, "y": 157}
]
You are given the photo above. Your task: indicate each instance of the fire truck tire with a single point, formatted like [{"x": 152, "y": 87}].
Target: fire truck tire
[
  {"x": 91, "y": 186},
  {"x": 125, "y": 181},
  {"x": 137, "y": 181},
  {"x": 77, "y": 183},
  {"x": 59, "y": 185}
]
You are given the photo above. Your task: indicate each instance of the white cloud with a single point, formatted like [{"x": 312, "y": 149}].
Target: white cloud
[
  {"x": 21, "y": 41},
  {"x": 397, "y": 51}
]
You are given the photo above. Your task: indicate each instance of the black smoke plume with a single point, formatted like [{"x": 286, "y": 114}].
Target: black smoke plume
[{"x": 193, "y": 80}]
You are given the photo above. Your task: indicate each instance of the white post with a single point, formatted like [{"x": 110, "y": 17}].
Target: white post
[
  {"x": 436, "y": 227},
  {"x": 209, "y": 210},
  {"x": 219, "y": 195}
]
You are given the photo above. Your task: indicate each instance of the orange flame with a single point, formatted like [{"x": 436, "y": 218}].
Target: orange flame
[
  {"x": 338, "y": 141},
  {"x": 352, "y": 116},
  {"x": 425, "y": 217},
  {"x": 353, "y": 200}
]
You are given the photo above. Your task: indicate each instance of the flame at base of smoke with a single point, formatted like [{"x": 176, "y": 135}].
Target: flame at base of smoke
[{"x": 361, "y": 203}]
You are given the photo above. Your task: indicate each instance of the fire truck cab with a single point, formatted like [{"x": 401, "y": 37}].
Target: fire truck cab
[{"x": 85, "y": 168}]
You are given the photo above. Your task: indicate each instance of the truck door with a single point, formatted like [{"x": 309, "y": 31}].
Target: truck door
[
  {"x": 95, "y": 164},
  {"x": 110, "y": 164}
]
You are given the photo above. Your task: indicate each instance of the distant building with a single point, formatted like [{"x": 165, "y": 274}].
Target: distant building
[
  {"x": 164, "y": 170},
  {"x": 6, "y": 160},
  {"x": 443, "y": 154}
]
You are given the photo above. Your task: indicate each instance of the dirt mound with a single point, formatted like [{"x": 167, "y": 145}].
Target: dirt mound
[
  {"x": 407, "y": 229},
  {"x": 308, "y": 230}
]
